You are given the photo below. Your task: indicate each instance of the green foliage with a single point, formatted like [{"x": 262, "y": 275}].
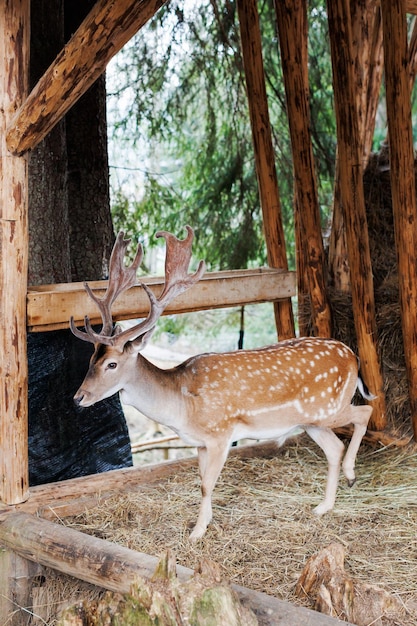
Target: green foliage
[{"x": 187, "y": 117}]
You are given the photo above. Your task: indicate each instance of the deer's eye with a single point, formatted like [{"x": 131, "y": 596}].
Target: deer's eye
[{"x": 111, "y": 366}]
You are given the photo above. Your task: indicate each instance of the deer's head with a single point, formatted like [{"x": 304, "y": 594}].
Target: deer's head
[{"x": 115, "y": 352}]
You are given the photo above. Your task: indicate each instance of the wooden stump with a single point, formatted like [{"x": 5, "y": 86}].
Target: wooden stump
[{"x": 204, "y": 600}]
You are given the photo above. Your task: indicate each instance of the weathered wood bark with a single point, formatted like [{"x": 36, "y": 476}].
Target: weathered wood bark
[
  {"x": 292, "y": 30},
  {"x": 402, "y": 181},
  {"x": 411, "y": 6},
  {"x": 14, "y": 51},
  {"x": 106, "y": 29},
  {"x": 364, "y": 17},
  {"x": 264, "y": 153},
  {"x": 49, "y": 254},
  {"x": 339, "y": 270},
  {"x": 376, "y": 68},
  {"x": 303, "y": 300},
  {"x": 367, "y": 40},
  {"x": 353, "y": 202}
]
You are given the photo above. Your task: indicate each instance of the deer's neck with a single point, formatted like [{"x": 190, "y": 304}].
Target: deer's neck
[{"x": 154, "y": 392}]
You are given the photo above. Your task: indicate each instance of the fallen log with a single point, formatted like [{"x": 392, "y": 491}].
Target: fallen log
[{"x": 117, "y": 568}]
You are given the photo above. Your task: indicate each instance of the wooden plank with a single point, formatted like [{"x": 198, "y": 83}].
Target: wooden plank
[
  {"x": 105, "y": 30},
  {"x": 14, "y": 59},
  {"x": 264, "y": 153},
  {"x": 353, "y": 203},
  {"x": 51, "y": 306},
  {"x": 292, "y": 31},
  {"x": 403, "y": 188},
  {"x": 116, "y": 568},
  {"x": 63, "y": 498}
]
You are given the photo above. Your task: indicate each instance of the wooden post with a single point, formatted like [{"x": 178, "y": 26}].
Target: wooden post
[
  {"x": 375, "y": 69},
  {"x": 353, "y": 202},
  {"x": 16, "y": 579},
  {"x": 402, "y": 181},
  {"x": 264, "y": 153},
  {"x": 368, "y": 76},
  {"x": 292, "y": 30},
  {"x": 14, "y": 59},
  {"x": 366, "y": 22}
]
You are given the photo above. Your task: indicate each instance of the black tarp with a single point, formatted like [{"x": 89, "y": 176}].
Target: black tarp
[{"x": 66, "y": 441}]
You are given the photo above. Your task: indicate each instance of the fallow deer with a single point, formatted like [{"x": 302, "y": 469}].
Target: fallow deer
[{"x": 213, "y": 400}]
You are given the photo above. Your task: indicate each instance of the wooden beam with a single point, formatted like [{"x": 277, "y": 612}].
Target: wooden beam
[
  {"x": 14, "y": 59},
  {"x": 402, "y": 174},
  {"x": 106, "y": 29},
  {"x": 353, "y": 202},
  {"x": 292, "y": 31},
  {"x": 50, "y": 307},
  {"x": 264, "y": 153},
  {"x": 116, "y": 568},
  {"x": 72, "y": 496}
]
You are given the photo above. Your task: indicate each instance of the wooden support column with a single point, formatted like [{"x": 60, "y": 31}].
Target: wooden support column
[
  {"x": 293, "y": 33},
  {"x": 16, "y": 579},
  {"x": 368, "y": 63},
  {"x": 353, "y": 202},
  {"x": 375, "y": 70},
  {"x": 264, "y": 154},
  {"x": 14, "y": 59},
  {"x": 402, "y": 181}
]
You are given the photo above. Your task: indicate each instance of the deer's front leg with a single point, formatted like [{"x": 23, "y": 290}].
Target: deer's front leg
[{"x": 211, "y": 460}]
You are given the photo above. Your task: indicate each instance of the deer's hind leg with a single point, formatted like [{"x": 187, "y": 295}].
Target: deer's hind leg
[
  {"x": 359, "y": 417},
  {"x": 333, "y": 448}
]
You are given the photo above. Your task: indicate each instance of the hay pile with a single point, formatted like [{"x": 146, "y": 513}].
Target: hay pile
[
  {"x": 263, "y": 530},
  {"x": 377, "y": 189}
]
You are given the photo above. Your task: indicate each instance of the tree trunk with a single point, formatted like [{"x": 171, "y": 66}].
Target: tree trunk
[
  {"x": 91, "y": 231},
  {"x": 70, "y": 225},
  {"x": 49, "y": 255}
]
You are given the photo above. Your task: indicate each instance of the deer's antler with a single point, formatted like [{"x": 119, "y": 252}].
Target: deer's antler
[{"x": 177, "y": 280}]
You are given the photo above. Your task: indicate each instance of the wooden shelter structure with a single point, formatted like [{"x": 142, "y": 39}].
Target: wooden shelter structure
[{"x": 362, "y": 35}]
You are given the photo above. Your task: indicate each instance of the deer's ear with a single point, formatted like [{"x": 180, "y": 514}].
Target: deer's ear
[{"x": 139, "y": 344}]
